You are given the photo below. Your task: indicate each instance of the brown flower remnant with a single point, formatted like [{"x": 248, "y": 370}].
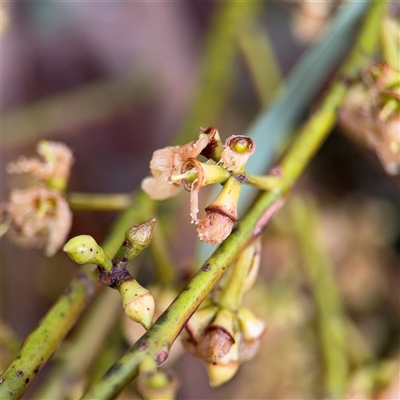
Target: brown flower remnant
[
  {"x": 53, "y": 167},
  {"x": 370, "y": 114},
  {"x": 37, "y": 217},
  {"x": 169, "y": 161},
  {"x": 221, "y": 214}
]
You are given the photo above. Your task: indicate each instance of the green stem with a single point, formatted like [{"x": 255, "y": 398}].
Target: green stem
[
  {"x": 256, "y": 49},
  {"x": 232, "y": 294},
  {"x": 329, "y": 310},
  {"x": 391, "y": 42},
  {"x": 89, "y": 338},
  {"x": 157, "y": 341},
  {"x": 263, "y": 182},
  {"x": 164, "y": 264},
  {"x": 99, "y": 201}
]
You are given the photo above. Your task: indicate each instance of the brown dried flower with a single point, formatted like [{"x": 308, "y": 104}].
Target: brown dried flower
[
  {"x": 370, "y": 114},
  {"x": 37, "y": 217},
  {"x": 53, "y": 167},
  {"x": 167, "y": 162},
  {"x": 214, "y": 227},
  {"x": 221, "y": 214}
]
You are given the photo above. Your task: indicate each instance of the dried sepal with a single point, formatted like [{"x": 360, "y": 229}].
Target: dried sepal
[
  {"x": 237, "y": 150},
  {"x": 38, "y": 217},
  {"x": 53, "y": 167}
]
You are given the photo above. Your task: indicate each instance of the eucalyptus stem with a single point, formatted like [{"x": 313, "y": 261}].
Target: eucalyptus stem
[
  {"x": 158, "y": 339},
  {"x": 99, "y": 201},
  {"x": 331, "y": 325}
]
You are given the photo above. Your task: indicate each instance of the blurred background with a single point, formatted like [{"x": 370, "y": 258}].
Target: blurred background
[{"x": 116, "y": 81}]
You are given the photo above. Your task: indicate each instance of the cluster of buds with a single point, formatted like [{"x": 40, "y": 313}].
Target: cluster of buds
[
  {"x": 222, "y": 338},
  {"x": 222, "y": 332},
  {"x": 137, "y": 302},
  {"x": 175, "y": 167},
  {"x": 39, "y": 216},
  {"x": 371, "y": 114}
]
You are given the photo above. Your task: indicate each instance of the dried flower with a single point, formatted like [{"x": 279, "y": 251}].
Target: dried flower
[
  {"x": 221, "y": 214},
  {"x": 167, "y": 162},
  {"x": 237, "y": 150},
  {"x": 37, "y": 217},
  {"x": 53, "y": 167},
  {"x": 370, "y": 114}
]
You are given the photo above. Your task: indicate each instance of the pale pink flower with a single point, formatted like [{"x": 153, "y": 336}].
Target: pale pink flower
[{"x": 37, "y": 217}]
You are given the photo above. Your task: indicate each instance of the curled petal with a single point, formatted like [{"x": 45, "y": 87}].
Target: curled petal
[{"x": 159, "y": 188}]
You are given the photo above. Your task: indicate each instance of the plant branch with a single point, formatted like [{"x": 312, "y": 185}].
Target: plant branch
[
  {"x": 99, "y": 201},
  {"x": 157, "y": 341}
]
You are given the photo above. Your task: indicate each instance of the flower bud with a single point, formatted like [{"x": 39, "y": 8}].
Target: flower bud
[
  {"x": 251, "y": 327},
  {"x": 252, "y": 273},
  {"x": 237, "y": 150},
  {"x": 219, "y": 374},
  {"x": 158, "y": 385},
  {"x": 137, "y": 238},
  {"x": 83, "y": 249},
  {"x": 201, "y": 318},
  {"x": 138, "y": 302}
]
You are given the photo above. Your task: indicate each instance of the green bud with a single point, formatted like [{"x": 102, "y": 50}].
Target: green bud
[
  {"x": 84, "y": 249},
  {"x": 138, "y": 302},
  {"x": 137, "y": 238},
  {"x": 158, "y": 385},
  {"x": 219, "y": 374}
]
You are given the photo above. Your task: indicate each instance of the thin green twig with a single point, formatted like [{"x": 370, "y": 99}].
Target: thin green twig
[
  {"x": 157, "y": 341},
  {"x": 99, "y": 201}
]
